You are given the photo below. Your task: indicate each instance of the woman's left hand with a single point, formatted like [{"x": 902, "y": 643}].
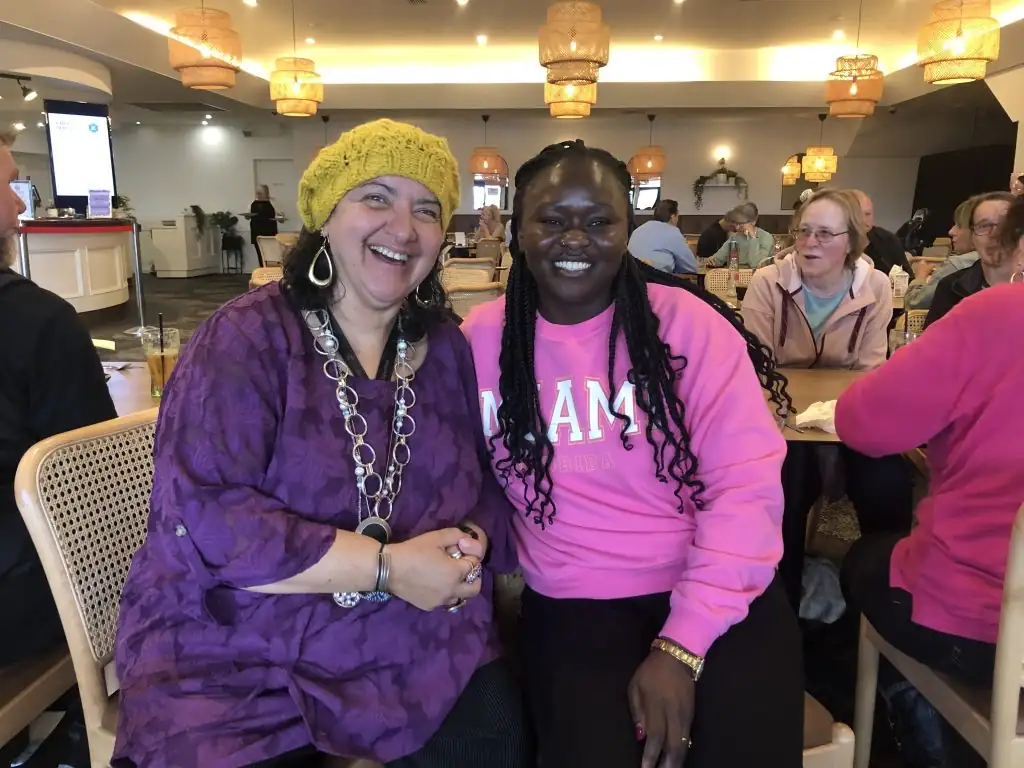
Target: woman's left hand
[{"x": 661, "y": 698}]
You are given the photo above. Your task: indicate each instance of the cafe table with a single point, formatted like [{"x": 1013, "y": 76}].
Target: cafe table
[
  {"x": 812, "y": 385},
  {"x": 129, "y": 387}
]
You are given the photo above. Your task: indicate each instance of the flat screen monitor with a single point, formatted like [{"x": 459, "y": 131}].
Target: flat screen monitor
[
  {"x": 81, "y": 155},
  {"x": 647, "y": 198}
]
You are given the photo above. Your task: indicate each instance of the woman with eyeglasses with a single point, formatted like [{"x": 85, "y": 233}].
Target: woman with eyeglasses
[
  {"x": 927, "y": 276},
  {"x": 994, "y": 266},
  {"x": 826, "y": 306}
]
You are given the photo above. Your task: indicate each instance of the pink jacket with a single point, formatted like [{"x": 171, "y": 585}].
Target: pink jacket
[
  {"x": 958, "y": 389},
  {"x": 856, "y": 336}
]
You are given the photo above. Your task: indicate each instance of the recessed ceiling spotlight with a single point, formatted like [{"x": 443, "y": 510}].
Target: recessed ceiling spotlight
[
  {"x": 310, "y": 41},
  {"x": 206, "y": 122},
  {"x": 679, "y": 2},
  {"x": 251, "y": 3},
  {"x": 28, "y": 94},
  {"x": 462, "y": 2},
  {"x": 18, "y": 126},
  {"x": 481, "y": 39},
  {"x": 138, "y": 122},
  {"x": 839, "y": 35},
  {"x": 40, "y": 125},
  {"x": 658, "y": 38},
  {"x": 209, "y": 117}
]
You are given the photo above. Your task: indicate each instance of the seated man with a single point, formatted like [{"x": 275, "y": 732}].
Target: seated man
[
  {"x": 712, "y": 238},
  {"x": 753, "y": 243},
  {"x": 52, "y": 381},
  {"x": 660, "y": 243}
]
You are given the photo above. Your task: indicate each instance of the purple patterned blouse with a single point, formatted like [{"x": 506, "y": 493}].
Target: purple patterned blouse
[{"x": 252, "y": 480}]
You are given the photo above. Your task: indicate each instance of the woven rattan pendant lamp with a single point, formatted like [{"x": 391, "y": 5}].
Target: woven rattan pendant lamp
[
  {"x": 791, "y": 171},
  {"x": 204, "y": 49},
  {"x": 486, "y": 161},
  {"x": 570, "y": 102},
  {"x": 295, "y": 87},
  {"x": 574, "y": 43},
  {"x": 820, "y": 162},
  {"x": 958, "y": 42},
  {"x": 855, "y": 87},
  {"x": 649, "y": 162}
]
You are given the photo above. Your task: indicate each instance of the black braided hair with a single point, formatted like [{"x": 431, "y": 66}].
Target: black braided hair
[{"x": 654, "y": 369}]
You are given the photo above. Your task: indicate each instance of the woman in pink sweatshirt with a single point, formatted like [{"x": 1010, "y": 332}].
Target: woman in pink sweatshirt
[
  {"x": 826, "y": 306},
  {"x": 936, "y": 594},
  {"x": 630, "y": 429}
]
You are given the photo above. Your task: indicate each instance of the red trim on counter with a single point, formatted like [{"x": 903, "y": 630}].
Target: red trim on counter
[{"x": 77, "y": 230}]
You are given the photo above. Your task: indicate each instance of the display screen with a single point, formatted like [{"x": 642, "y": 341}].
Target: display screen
[{"x": 80, "y": 152}]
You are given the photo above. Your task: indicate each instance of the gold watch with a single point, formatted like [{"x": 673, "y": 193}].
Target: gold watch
[{"x": 676, "y": 651}]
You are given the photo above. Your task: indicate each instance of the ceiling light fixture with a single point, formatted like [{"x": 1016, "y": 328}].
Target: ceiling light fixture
[
  {"x": 574, "y": 43},
  {"x": 206, "y": 122},
  {"x": 310, "y": 41},
  {"x": 791, "y": 171},
  {"x": 204, "y": 49},
  {"x": 295, "y": 87},
  {"x": 820, "y": 162},
  {"x": 209, "y": 117},
  {"x": 138, "y": 122},
  {"x": 19, "y": 126},
  {"x": 570, "y": 102},
  {"x": 462, "y": 3},
  {"x": 40, "y": 125},
  {"x": 658, "y": 38},
  {"x": 679, "y": 2},
  {"x": 481, "y": 39},
  {"x": 28, "y": 94},
  {"x": 487, "y": 162},
  {"x": 250, "y": 3},
  {"x": 838, "y": 35},
  {"x": 959, "y": 41},
  {"x": 649, "y": 162},
  {"x": 855, "y": 87}
]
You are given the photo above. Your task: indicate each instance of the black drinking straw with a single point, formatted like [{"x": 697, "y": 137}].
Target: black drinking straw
[{"x": 163, "y": 378}]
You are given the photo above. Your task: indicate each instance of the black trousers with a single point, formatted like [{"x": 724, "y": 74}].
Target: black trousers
[
  {"x": 881, "y": 491},
  {"x": 580, "y": 656},
  {"x": 865, "y": 581},
  {"x": 486, "y": 727},
  {"x": 29, "y": 623},
  {"x": 259, "y": 252}
]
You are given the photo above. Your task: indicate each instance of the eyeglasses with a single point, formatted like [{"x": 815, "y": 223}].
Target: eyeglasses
[
  {"x": 823, "y": 236},
  {"x": 984, "y": 228}
]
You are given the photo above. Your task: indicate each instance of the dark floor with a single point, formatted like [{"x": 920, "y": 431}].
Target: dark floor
[{"x": 184, "y": 302}]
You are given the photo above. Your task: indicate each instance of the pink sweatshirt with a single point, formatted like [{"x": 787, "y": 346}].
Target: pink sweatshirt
[
  {"x": 617, "y": 531},
  {"x": 958, "y": 389}
]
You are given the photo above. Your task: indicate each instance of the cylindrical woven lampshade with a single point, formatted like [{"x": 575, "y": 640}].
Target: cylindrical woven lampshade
[
  {"x": 580, "y": 94},
  {"x": 817, "y": 178},
  {"x": 855, "y": 87},
  {"x": 574, "y": 43},
  {"x": 488, "y": 162},
  {"x": 570, "y": 110},
  {"x": 959, "y": 41},
  {"x": 295, "y": 87},
  {"x": 204, "y": 49},
  {"x": 649, "y": 162},
  {"x": 791, "y": 171},
  {"x": 820, "y": 160}
]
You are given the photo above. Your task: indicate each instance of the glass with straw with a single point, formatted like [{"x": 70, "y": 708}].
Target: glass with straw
[{"x": 161, "y": 346}]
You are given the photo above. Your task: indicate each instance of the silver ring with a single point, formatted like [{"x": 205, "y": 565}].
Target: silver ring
[
  {"x": 454, "y": 607},
  {"x": 457, "y": 554},
  {"x": 474, "y": 573}
]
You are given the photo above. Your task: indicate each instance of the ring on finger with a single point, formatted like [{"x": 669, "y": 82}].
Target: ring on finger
[
  {"x": 454, "y": 607},
  {"x": 474, "y": 573},
  {"x": 687, "y": 741}
]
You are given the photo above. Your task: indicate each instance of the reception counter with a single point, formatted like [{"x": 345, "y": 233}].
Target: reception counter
[{"x": 85, "y": 261}]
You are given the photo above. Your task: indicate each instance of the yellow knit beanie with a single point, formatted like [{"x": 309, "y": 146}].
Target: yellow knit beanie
[{"x": 369, "y": 151}]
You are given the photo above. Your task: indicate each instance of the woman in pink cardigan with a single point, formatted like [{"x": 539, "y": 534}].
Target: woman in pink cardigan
[
  {"x": 936, "y": 594},
  {"x": 826, "y": 306}
]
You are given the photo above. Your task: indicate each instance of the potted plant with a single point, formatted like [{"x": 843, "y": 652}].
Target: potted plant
[
  {"x": 122, "y": 207},
  {"x": 226, "y": 222},
  {"x": 721, "y": 176}
]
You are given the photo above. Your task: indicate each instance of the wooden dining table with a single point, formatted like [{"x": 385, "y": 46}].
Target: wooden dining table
[
  {"x": 129, "y": 387},
  {"x": 812, "y": 385}
]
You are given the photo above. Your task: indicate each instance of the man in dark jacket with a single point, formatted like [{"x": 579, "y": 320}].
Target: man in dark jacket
[
  {"x": 884, "y": 248},
  {"x": 713, "y": 238},
  {"x": 51, "y": 381}
]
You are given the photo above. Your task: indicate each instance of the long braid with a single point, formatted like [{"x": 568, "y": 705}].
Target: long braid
[{"x": 654, "y": 371}]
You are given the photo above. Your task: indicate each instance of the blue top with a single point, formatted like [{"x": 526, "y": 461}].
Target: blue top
[
  {"x": 663, "y": 246},
  {"x": 820, "y": 308}
]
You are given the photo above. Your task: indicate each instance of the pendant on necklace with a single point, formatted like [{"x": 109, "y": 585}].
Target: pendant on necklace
[{"x": 376, "y": 528}]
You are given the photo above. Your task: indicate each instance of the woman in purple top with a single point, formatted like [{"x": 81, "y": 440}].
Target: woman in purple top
[{"x": 311, "y": 583}]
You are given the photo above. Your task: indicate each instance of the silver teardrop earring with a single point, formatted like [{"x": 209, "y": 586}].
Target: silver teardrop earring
[{"x": 317, "y": 281}]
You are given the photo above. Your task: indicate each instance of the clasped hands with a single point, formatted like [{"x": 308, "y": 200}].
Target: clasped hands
[{"x": 425, "y": 574}]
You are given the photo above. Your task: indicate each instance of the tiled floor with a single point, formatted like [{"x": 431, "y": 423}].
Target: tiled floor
[{"x": 185, "y": 303}]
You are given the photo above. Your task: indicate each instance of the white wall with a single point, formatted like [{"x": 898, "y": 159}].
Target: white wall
[{"x": 165, "y": 169}]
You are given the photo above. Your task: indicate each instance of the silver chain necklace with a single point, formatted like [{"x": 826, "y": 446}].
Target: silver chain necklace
[{"x": 376, "y": 494}]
